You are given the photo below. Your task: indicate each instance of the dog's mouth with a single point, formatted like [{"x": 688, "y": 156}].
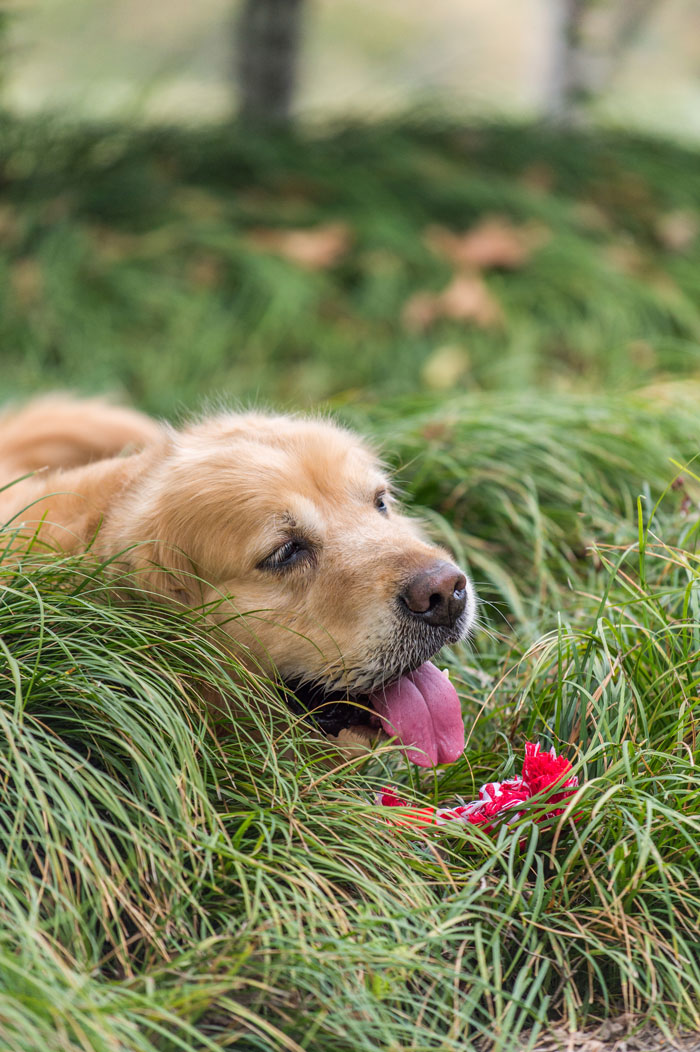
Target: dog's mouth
[{"x": 420, "y": 709}]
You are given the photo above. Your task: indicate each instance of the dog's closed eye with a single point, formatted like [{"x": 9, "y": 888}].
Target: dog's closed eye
[{"x": 294, "y": 552}]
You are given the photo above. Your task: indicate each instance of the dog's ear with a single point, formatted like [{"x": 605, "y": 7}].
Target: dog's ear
[{"x": 161, "y": 571}]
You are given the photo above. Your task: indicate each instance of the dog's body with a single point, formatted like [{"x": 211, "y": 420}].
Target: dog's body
[{"x": 281, "y": 526}]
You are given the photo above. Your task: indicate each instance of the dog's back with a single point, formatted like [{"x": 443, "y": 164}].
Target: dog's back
[
  {"x": 59, "y": 459},
  {"x": 61, "y": 432}
]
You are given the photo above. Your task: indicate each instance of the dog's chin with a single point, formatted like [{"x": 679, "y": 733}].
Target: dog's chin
[{"x": 345, "y": 703}]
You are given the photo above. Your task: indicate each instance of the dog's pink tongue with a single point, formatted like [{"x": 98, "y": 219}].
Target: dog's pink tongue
[{"x": 422, "y": 710}]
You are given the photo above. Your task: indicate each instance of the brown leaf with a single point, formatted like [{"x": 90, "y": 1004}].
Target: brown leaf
[
  {"x": 198, "y": 204},
  {"x": 642, "y": 355},
  {"x": 56, "y": 209},
  {"x": 205, "y": 271},
  {"x": 113, "y": 246},
  {"x": 677, "y": 230},
  {"x": 420, "y": 311},
  {"x": 494, "y": 242},
  {"x": 437, "y": 431},
  {"x": 27, "y": 281},
  {"x": 627, "y": 257},
  {"x": 315, "y": 248},
  {"x": 466, "y": 298},
  {"x": 10, "y": 226},
  {"x": 538, "y": 177},
  {"x": 592, "y": 216}
]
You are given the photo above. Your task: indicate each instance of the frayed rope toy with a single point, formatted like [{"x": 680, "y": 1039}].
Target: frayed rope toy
[{"x": 542, "y": 771}]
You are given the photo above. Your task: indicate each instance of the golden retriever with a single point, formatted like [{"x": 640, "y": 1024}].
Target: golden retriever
[{"x": 283, "y": 526}]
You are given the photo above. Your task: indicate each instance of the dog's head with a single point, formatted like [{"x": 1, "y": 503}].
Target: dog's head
[{"x": 325, "y": 579}]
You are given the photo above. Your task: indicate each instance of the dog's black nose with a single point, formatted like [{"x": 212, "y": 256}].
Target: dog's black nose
[{"x": 437, "y": 595}]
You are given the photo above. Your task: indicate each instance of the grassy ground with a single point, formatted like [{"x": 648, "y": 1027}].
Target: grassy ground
[
  {"x": 128, "y": 263},
  {"x": 165, "y": 889}
]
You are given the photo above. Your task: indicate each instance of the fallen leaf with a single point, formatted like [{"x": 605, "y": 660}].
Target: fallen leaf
[
  {"x": 10, "y": 226},
  {"x": 642, "y": 355},
  {"x": 494, "y": 242},
  {"x": 198, "y": 204},
  {"x": 437, "y": 430},
  {"x": 420, "y": 311},
  {"x": 113, "y": 246},
  {"x": 27, "y": 281},
  {"x": 278, "y": 204},
  {"x": 538, "y": 177},
  {"x": 677, "y": 230},
  {"x": 205, "y": 271},
  {"x": 56, "y": 209},
  {"x": 301, "y": 187},
  {"x": 591, "y": 216},
  {"x": 623, "y": 193},
  {"x": 315, "y": 248},
  {"x": 466, "y": 298},
  {"x": 611, "y": 1036},
  {"x": 627, "y": 257},
  {"x": 381, "y": 262},
  {"x": 445, "y": 367}
]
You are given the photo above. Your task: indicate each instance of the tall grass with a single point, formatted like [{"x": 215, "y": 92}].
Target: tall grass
[
  {"x": 520, "y": 487},
  {"x": 172, "y": 879},
  {"x": 167, "y": 887}
]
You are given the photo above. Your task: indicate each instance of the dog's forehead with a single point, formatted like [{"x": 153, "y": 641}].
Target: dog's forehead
[
  {"x": 267, "y": 466},
  {"x": 289, "y": 448},
  {"x": 319, "y": 469}
]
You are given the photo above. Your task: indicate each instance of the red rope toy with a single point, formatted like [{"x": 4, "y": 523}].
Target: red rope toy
[{"x": 542, "y": 770}]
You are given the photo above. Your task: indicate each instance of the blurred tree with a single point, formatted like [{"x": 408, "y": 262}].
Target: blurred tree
[
  {"x": 4, "y": 47},
  {"x": 585, "y": 56},
  {"x": 565, "y": 88},
  {"x": 267, "y": 50}
]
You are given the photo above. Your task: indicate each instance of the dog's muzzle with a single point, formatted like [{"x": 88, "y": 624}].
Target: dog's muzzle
[
  {"x": 399, "y": 689},
  {"x": 436, "y": 596}
]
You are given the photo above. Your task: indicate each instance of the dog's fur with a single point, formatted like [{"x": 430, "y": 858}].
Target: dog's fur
[{"x": 194, "y": 516}]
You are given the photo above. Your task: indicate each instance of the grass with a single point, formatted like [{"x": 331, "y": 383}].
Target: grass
[
  {"x": 166, "y": 885},
  {"x": 127, "y": 262},
  {"x": 163, "y": 889},
  {"x": 520, "y": 487}
]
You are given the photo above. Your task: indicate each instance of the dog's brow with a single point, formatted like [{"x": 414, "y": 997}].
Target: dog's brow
[
  {"x": 380, "y": 485},
  {"x": 287, "y": 522}
]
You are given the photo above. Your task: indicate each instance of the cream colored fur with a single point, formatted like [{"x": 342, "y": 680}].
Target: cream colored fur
[{"x": 192, "y": 514}]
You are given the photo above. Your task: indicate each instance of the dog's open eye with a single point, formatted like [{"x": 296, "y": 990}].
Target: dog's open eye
[
  {"x": 287, "y": 555},
  {"x": 380, "y": 502}
]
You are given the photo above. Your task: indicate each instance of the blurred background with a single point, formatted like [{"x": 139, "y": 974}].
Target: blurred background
[
  {"x": 168, "y": 59},
  {"x": 471, "y": 229},
  {"x": 304, "y": 201}
]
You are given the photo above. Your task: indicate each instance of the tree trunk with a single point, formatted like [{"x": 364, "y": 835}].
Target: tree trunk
[
  {"x": 4, "y": 49},
  {"x": 583, "y": 66},
  {"x": 267, "y": 51},
  {"x": 566, "y": 89}
]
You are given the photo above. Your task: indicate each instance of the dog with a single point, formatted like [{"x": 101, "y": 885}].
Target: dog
[{"x": 284, "y": 528}]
